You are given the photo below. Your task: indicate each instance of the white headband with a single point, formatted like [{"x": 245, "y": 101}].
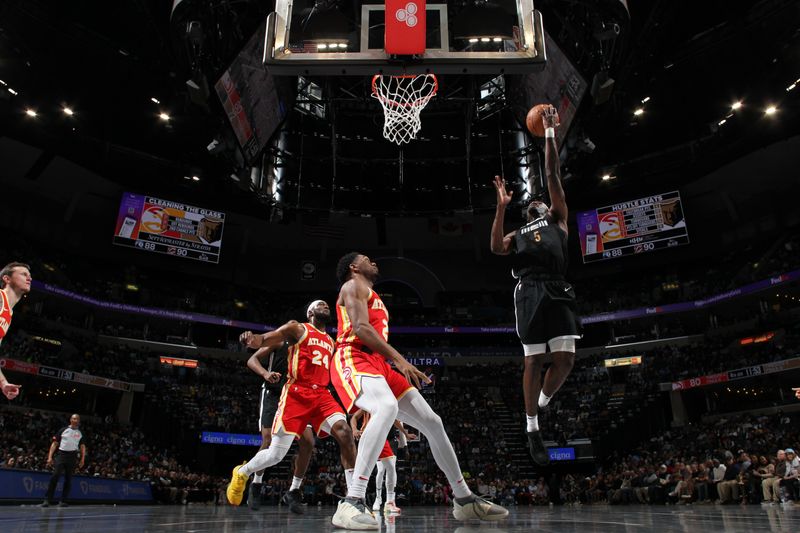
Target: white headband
[{"x": 312, "y": 305}]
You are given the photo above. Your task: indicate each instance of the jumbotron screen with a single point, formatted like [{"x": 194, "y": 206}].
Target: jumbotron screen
[
  {"x": 174, "y": 228},
  {"x": 633, "y": 227}
]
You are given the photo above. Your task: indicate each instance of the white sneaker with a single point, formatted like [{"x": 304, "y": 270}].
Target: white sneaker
[
  {"x": 377, "y": 505},
  {"x": 354, "y": 516},
  {"x": 480, "y": 509}
]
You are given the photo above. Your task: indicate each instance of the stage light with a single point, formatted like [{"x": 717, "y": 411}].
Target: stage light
[
  {"x": 498, "y": 39},
  {"x": 12, "y": 91},
  {"x": 68, "y": 111},
  {"x": 721, "y": 122},
  {"x": 791, "y": 87},
  {"x": 771, "y": 110},
  {"x": 322, "y": 46},
  {"x": 638, "y": 112},
  {"x": 31, "y": 113},
  {"x": 607, "y": 177},
  {"x": 154, "y": 100},
  {"x": 474, "y": 40},
  {"x": 4, "y": 84},
  {"x": 736, "y": 105},
  {"x": 164, "y": 116},
  {"x": 195, "y": 178},
  {"x": 485, "y": 39},
  {"x": 645, "y": 99}
]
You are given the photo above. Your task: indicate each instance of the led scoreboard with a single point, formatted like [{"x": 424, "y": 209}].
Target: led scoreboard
[
  {"x": 637, "y": 226},
  {"x": 174, "y": 228}
]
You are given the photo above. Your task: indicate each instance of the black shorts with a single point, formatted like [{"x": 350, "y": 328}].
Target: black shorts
[
  {"x": 545, "y": 310},
  {"x": 269, "y": 404}
]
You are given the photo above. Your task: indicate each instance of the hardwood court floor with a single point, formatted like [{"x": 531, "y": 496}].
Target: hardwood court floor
[{"x": 585, "y": 519}]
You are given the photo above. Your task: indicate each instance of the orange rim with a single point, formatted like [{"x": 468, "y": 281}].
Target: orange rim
[{"x": 416, "y": 102}]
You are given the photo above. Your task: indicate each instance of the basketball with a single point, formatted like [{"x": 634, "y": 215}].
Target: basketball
[{"x": 534, "y": 120}]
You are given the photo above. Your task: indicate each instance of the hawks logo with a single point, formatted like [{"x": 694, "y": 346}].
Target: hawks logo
[{"x": 347, "y": 374}]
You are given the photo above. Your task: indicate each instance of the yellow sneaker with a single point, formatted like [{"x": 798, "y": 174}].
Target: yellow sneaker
[{"x": 235, "y": 492}]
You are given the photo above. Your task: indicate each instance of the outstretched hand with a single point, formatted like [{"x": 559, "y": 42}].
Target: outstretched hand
[
  {"x": 412, "y": 373},
  {"x": 250, "y": 339},
  {"x": 550, "y": 117},
  {"x": 503, "y": 196},
  {"x": 10, "y": 390}
]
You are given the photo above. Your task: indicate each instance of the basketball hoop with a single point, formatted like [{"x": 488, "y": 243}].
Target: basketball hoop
[{"x": 403, "y": 98}]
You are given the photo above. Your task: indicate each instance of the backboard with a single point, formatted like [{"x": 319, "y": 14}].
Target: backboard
[{"x": 341, "y": 37}]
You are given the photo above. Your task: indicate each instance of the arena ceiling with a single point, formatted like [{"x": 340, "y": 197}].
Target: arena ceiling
[{"x": 119, "y": 65}]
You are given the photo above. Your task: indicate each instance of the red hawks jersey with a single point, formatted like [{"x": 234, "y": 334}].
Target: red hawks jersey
[
  {"x": 378, "y": 318},
  {"x": 5, "y": 315},
  {"x": 308, "y": 360}
]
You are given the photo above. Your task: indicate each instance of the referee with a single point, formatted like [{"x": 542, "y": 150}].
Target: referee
[{"x": 67, "y": 442}]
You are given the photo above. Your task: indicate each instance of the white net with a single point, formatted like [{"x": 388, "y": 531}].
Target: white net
[{"x": 403, "y": 98}]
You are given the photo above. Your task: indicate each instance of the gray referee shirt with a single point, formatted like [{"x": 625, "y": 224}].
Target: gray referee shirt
[{"x": 69, "y": 440}]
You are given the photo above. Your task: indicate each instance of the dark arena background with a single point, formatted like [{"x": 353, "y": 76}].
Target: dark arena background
[{"x": 175, "y": 174}]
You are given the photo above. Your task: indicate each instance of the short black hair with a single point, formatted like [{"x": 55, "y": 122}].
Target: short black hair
[{"x": 343, "y": 267}]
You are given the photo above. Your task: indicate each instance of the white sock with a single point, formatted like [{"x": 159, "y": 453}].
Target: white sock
[
  {"x": 390, "y": 497},
  {"x": 533, "y": 423},
  {"x": 543, "y": 399},
  {"x": 348, "y": 477},
  {"x": 258, "y": 477},
  {"x": 296, "y": 481}
]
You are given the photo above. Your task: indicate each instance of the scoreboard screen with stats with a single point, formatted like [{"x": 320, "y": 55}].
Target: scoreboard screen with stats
[
  {"x": 637, "y": 226},
  {"x": 173, "y": 228}
]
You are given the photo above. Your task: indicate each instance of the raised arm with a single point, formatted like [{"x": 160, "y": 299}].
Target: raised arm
[
  {"x": 552, "y": 167},
  {"x": 289, "y": 332},
  {"x": 354, "y": 295},
  {"x": 500, "y": 244}
]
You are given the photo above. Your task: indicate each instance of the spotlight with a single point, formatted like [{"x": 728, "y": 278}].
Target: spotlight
[
  {"x": 771, "y": 110},
  {"x": 31, "y": 113},
  {"x": 606, "y": 177},
  {"x": 195, "y": 178},
  {"x": 4, "y": 84},
  {"x": 721, "y": 122},
  {"x": 342, "y": 45},
  {"x": 791, "y": 87},
  {"x": 12, "y": 91},
  {"x": 68, "y": 111},
  {"x": 498, "y": 39},
  {"x": 645, "y": 99},
  {"x": 154, "y": 100},
  {"x": 736, "y": 105},
  {"x": 485, "y": 39},
  {"x": 322, "y": 46},
  {"x": 638, "y": 112},
  {"x": 473, "y": 40},
  {"x": 164, "y": 116}
]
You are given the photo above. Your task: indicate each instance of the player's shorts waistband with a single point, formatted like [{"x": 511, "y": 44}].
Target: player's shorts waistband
[{"x": 308, "y": 386}]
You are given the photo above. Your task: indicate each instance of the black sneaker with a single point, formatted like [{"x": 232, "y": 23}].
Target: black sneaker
[
  {"x": 294, "y": 500},
  {"x": 537, "y": 448},
  {"x": 254, "y": 496}
]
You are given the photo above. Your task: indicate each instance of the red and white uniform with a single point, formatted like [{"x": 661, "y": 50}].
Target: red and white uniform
[
  {"x": 353, "y": 359},
  {"x": 305, "y": 399},
  {"x": 5, "y": 315}
]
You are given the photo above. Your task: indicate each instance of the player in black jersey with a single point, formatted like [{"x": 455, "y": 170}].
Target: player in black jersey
[
  {"x": 274, "y": 379},
  {"x": 544, "y": 302}
]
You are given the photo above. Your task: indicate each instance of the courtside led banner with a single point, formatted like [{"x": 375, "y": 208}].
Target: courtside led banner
[
  {"x": 174, "y": 228},
  {"x": 637, "y": 226},
  {"x": 30, "y": 485}
]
